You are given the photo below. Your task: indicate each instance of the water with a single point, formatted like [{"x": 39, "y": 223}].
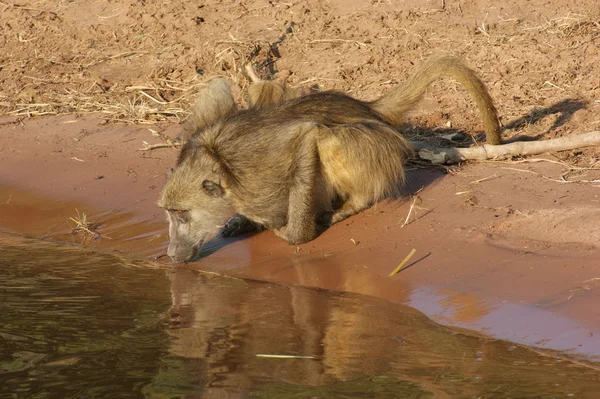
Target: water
[{"x": 80, "y": 324}]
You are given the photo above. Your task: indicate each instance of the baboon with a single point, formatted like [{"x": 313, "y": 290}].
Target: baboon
[
  {"x": 266, "y": 93},
  {"x": 292, "y": 163}
]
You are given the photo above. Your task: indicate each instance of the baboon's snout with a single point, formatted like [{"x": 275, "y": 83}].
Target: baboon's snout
[
  {"x": 182, "y": 253},
  {"x": 179, "y": 253}
]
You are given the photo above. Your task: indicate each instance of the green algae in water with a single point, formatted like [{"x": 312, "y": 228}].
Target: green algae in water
[{"x": 81, "y": 324}]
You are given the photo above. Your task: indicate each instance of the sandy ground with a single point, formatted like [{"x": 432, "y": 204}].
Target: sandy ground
[{"x": 506, "y": 248}]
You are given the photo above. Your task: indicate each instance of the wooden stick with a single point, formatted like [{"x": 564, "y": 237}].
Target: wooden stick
[
  {"x": 403, "y": 263},
  {"x": 487, "y": 151}
]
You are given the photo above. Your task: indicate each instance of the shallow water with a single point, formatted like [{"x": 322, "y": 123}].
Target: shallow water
[{"x": 82, "y": 324}]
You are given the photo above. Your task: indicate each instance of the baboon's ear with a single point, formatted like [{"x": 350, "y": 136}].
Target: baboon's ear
[
  {"x": 170, "y": 173},
  {"x": 214, "y": 102},
  {"x": 212, "y": 189}
]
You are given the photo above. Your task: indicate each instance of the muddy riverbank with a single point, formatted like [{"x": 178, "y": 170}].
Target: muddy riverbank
[{"x": 498, "y": 250}]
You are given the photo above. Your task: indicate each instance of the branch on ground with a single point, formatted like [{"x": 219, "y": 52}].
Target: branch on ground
[{"x": 521, "y": 148}]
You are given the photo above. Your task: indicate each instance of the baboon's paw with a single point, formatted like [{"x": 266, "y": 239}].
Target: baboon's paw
[
  {"x": 239, "y": 225},
  {"x": 324, "y": 220},
  {"x": 341, "y": 215},
  {"x": 281, "y": 232},
  {"x": 349, "y": 208},
  {"x": 292, "y": 239}
]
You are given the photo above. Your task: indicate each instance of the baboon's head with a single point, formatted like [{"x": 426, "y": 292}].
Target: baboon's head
[
  {"x": 196, "y": 204},
  {"x": 195, "y": 195}
]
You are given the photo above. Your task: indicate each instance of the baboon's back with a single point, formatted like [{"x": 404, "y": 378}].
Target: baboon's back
[{"x": 327, "y": 108}]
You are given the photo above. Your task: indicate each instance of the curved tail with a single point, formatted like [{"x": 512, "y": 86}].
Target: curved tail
[{"x": 393, "y": 106}]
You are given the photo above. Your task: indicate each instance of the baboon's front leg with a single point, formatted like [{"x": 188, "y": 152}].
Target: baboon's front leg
[{"x": 301, "y": 224}]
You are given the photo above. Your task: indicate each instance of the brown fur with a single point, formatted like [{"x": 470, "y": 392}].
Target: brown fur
[
  {"x": 214, "y": 101},
  {"x": 287, "y": 161},
  {"x": 267, "y": 93}
]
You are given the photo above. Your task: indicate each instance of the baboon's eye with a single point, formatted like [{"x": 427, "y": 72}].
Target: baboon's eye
[
  {"x": 183, "y": 215},
  {"x": 179, "y": 211}
]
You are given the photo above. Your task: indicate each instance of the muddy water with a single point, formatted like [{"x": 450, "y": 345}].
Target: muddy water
[{"x": 82, "y": 324}]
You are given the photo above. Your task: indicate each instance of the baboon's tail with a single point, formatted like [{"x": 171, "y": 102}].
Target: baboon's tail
[{"x": 393, "y": 106}]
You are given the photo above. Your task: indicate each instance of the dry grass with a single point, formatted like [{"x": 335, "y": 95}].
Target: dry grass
[
  {"x": 134, "y": 104},
  {"x": 568, "y": 25},
  {"x": 84, "y": 226},
  {"x": 159, "y": 98},
  {"x": 570, "y": 174},
  {"x": 61, "y": 80}
]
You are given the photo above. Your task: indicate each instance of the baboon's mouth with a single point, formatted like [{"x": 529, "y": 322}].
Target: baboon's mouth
[
  {"x": 181, "y": 253},
  {"x": 185, "y": 254}
]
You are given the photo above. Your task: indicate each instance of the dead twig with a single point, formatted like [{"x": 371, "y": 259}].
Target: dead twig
[
  {"x": 403, "y": 263},
  {"x": 167, "y": 142},
  {"x": 484, "y": 179},
  {"x": 583, "y": 286},
  {"x": 412, "y": 206},
  {"x": 26, "y": 8},
  {"x": 360, "y": 44},
  {"x": 269, "y": 356},
  {"x": 563, "y": 180},
  {"x": 566, "y": 165},
  {"x": 115, "y": 56},
  {"x": 520, "y": 148},
  {"x": 156, "y": 258},
  {"x": 150, "y": 147}
]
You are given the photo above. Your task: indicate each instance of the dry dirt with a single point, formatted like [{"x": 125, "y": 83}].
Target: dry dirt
[{"x": 506, "y": 248}]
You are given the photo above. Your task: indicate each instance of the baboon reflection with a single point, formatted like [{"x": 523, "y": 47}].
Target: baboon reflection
[{"x": 221, "y": 324}]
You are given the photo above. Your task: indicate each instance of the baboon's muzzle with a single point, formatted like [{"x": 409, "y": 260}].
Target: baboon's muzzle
[{"x": 183, "y": 253}]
